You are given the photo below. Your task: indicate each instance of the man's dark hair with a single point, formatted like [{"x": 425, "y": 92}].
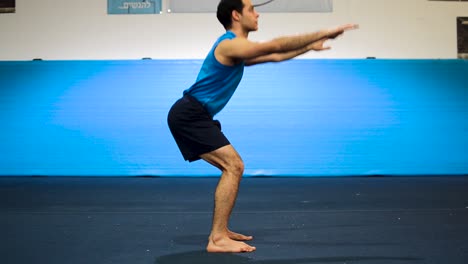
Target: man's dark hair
[{"x": 225, "y": 8}]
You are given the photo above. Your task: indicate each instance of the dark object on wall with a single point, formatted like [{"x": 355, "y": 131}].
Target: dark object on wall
[
  {"x": 462, "y": 35},
  {"x": 7, "y": 6}
]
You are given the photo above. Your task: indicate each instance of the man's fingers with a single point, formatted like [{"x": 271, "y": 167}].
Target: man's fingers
[
  {"x": 349, "y": 27},
  {"x": 340, "y": 30}
]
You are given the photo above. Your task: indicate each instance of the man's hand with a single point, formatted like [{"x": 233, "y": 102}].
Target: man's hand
[
  {"x": 333, "y": 33},
  {"x": 318, "y": 45}
]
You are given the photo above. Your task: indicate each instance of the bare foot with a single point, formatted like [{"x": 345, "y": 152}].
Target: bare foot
[
  {"x": 225, "y": 245},
  {"x": 239, "y": 237}
]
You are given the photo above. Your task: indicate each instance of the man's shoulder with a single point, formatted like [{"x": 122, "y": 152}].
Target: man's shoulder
[{"x": 226, "y": 35}]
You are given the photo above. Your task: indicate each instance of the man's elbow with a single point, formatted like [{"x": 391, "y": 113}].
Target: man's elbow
[{"x": 275, "y": 46}]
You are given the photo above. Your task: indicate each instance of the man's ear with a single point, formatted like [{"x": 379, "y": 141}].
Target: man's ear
[{"x": 235, "y": 15}]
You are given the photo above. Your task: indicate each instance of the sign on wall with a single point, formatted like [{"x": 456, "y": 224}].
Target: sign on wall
[
  {"x": 134, "y": 6},
  {"x": 7, "y": 6},
  {"x": 276, "y": 6}
]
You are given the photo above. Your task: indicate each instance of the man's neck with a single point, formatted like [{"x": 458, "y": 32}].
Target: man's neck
[{"x": 240, "y": 32}]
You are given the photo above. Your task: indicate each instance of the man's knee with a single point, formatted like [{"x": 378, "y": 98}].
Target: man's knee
[{"x": 236, "y": 167}]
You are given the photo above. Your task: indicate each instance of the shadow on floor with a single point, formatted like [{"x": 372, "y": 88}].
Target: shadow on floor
[
  {"x": 197, "y": 240},
  {"x": 202, "y": 257}
]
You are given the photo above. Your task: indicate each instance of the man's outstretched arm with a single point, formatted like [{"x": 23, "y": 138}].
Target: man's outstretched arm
[
  {"x": 293, "y": 43},
  {"x": 278, "y": 57},
  {"x": 289, "y": 46}
]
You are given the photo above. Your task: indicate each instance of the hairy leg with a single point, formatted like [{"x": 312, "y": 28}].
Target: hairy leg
[{"x": 221, "y": 238}]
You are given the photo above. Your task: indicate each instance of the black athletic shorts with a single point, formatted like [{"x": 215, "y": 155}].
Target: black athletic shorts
[{"x": 194, "y": 129}]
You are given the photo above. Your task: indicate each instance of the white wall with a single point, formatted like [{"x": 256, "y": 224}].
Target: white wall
[{"x": 82, "y": 30}]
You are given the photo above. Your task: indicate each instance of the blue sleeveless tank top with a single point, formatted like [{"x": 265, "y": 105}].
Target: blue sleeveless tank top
[{"x": 216, "y": 83}]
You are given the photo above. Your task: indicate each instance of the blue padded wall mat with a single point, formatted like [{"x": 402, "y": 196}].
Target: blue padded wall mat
[{"x": 296, "y": 118}]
